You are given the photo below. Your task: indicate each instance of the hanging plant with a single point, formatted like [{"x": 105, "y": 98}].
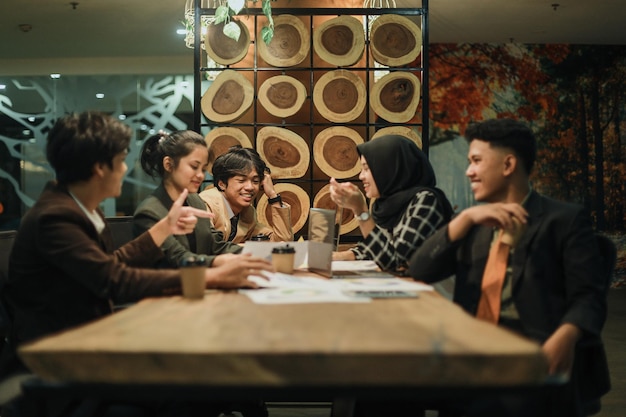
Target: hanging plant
[{"x": 225, "y": 13}]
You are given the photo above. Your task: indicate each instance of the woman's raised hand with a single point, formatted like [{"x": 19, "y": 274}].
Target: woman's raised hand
[{"x": 347, "y": 195}]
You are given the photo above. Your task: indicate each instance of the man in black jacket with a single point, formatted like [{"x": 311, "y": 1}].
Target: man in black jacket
[{"x": 551, "y": 292}]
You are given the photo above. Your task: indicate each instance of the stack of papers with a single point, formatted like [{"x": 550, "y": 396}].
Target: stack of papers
[
  {"x": 278, "y": 288},
  {"x": 354, "y": 266}
]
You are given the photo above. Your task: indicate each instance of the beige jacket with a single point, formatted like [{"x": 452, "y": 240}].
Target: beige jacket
[{"x": 279, "y": 230}]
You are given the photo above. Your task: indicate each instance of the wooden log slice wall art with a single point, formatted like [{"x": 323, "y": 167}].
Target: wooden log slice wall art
[
  {"x": 293, "y": 195},
  {"x": 312, "y": 104},
  {"x": 395, "y": 40},
  {"x": 289, "y": 45},
  {"x": 334, "y": 151},
  {"x": 282, "y": 95},
  {"x": 401, "y": 131},
  {"x": 395, "y": 96},
  {"x": 228, "y": 97},
  {"x": 225, "y": 50},
  {"x": 284, "y": 152},
  {"x": 220, "y": 139},
  {"x": 339, "y": 96},
  {"x": 340, "y": 41},
  {"x": 322, "y": 200}
]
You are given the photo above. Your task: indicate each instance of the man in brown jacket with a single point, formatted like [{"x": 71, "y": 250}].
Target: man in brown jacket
[{"x": 63, "y": 270}]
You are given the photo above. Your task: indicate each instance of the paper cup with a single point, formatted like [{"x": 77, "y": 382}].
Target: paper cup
[
  {"x": 192, "y": 281},
  {"x": 282, "y": 258}
]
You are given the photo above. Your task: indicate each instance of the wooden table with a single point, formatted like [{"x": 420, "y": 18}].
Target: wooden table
[{"x": 228, "y": 343}]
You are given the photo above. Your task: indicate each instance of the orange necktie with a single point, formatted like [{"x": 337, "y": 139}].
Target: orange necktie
[{"x": 493, "y": 279}]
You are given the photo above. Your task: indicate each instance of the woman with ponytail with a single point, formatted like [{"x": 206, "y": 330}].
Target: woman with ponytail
[{"x": 180, "y": 161}]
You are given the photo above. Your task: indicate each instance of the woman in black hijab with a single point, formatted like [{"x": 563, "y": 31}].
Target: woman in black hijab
[{"x": 407, "y": 209}]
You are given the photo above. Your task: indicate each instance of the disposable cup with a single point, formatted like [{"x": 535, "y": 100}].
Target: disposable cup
[
  {"x": 192, "y": 280},
  {"x": 282, "y": 258}
]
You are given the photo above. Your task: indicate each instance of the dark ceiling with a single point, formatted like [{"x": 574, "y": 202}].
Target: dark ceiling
[{"x": 122, "y": 28}]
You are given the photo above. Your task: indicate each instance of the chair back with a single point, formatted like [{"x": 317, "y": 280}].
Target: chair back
[
  {"x": 7, "y": 238},
  {"x": 121, "y": 229},
  {"x": 6, "y": 244},
  {"x": 608, "y": 252}
]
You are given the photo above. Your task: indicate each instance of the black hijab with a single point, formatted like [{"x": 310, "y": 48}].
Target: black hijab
[{"x": 400, "y": 169}]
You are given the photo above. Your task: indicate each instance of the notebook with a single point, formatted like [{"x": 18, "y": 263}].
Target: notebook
[
  {"x": 357, "y": 269},
  {"x": 324, "y": 227},
  {"x": 314, "y": 254}
]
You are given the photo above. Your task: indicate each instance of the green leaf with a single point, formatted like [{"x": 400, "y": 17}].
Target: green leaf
[
  {"x": 222, "y": 14},
  {"x": 267, "y": 33},
  {"x": 232, "y": 30},
  {"x": 236, "y": 5},
  {"x": 267, "y": 11}
]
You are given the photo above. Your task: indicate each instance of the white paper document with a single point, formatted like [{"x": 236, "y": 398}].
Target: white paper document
[
  {"x": 280, "y": 280},
  {"x": 279, "y": 288},
  {"x": 301, "y": 295},
  {"x": 354, "y": 266},
  {"x": 380, "y": 284}
]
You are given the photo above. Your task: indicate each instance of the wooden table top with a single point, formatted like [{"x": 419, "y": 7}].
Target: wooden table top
[{"x": 227, "y": 340}]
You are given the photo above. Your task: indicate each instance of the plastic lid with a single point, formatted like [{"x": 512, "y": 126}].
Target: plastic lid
[
  {"x": 193, "y": 261},
  {"x": 284, "y": 249}
]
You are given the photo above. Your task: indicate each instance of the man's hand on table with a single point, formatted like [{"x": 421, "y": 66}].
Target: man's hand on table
[{"x": 232, "y": 271}]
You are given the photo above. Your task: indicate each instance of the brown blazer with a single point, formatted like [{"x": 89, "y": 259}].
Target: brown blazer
[{"x": 62, "y": 273}]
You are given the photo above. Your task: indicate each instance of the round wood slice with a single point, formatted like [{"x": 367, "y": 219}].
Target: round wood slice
[
  {"x": 220, "y": 139},
  {"x": 401, "y": 131},
  {"x": 322, "y": 200},
  {"x": 282, "y": 95},
  {"x": 395, "y": 96},
  {"x": 335, "y": 152},
  {"x": 289, "y": 45},
  {"x": 293, "y": 195},
  {"x": 225, "y": 50},
  {"x": 284, "y": 152},
  {"x": 339, "y": 96},
  {"x": 395, "y": 40},
  {"x": 340, "y": 41},
  {"x": 228, "y": 97}
]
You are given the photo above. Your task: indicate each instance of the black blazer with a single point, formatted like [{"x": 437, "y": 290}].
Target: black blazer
[{"x": 556, "y": 275}]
